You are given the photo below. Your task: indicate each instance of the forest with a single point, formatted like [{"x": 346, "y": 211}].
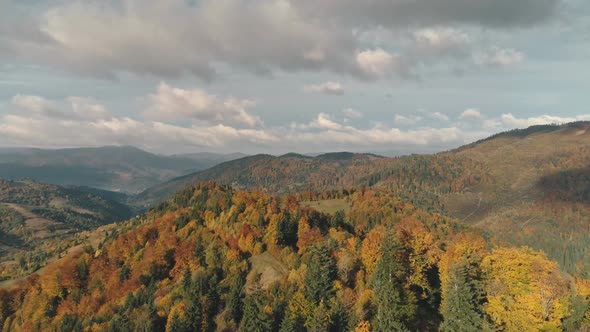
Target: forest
[{"x": 213, "y": 258}]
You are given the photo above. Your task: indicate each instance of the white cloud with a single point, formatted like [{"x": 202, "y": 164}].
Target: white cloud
[
  {"x": 73, "y": 108},
  {"x": 471, "y": 114},
  {"x": 510, "y": 120},
  {"x": 351, "y": 113},
  {"x": 324, "y": 121},
  {"x": 499, "y": 57},
  {"x": 21, "y": 127},
  {"x": 169, "y": 102},
  {"x": 440, "y": 41},
  {"x": 439, "y": 116},
  {"x": 328, "y": 88},
  {"x": 376, "y": 63},
  {"x": 407, "y": 120}
]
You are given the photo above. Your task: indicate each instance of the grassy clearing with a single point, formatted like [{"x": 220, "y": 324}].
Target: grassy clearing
[{"x": 329, "y": 205}]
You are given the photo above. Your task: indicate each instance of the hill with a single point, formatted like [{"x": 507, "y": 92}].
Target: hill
[
  {"x": 528, "y": 187},
  {"x": 214, "y": 259},
  {"x": 288, "y": 173},
  {"x": 125, "y": 169},
  {"x": 38, "y": 221}
]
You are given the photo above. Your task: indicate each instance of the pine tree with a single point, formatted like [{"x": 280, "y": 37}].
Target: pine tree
[
  {"x": 395, "y": 304},
  {"x": 321, "y": 272},
  {"x": 255, "y": 318},
  {"x": 235, "y": 298},
  {"x": 461, "y": 309},
  {"x": 320, "y": 321}
]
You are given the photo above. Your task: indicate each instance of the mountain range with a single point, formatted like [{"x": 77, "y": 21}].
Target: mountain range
[{"x": 116, "y": 168}]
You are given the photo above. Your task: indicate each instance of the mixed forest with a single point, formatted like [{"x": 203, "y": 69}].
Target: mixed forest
[{"x": 217, "y": 259}]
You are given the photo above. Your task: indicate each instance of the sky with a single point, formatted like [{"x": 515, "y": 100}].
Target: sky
[{"x": 277, "y": 76}]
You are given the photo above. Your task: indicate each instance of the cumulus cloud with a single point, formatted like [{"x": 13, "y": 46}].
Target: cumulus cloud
[
  {"x": 512, "y": 121},
  {"x": 178, "y": 37},
  {"x": 471, "y": 114},
  {"x": 169, "y": 102},
  {"x": 439, "y": 116},
  {"x": 328, "y": 88},
  {"x": 72, "y": 108},
  {"x": 407, "y": 120},
  {"x": 440, "y": 41},
  {"x": 376, "y": 63},
  {"x": 351, "y": 113},
  {"x": 499, "y": 57},
  {"x": 24, "y": 123}
]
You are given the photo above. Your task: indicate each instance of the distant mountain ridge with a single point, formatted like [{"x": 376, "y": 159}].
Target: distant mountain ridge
[
  {"x": 517, "y": 184},
  {"x": 116, "y": 168}
]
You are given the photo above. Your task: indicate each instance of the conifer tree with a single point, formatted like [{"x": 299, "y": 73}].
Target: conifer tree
[
  {"x": 321, "y": 272},
  {"x": 461, "y": 309},
  {"x": 235, "y": 298},
  {"x": 395, "y": 304},
  {"x": 255, "y": 318}
]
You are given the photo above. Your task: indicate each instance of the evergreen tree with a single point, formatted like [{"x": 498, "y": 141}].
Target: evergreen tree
[
  {"x": 395, "y": 304},
  {"x": 235, "y": 298},
  {"x": 461, "y": 309},
  {"x": 320, "y": 320},
  {"x": 291, "y": 323},
  {"x": 321, "y": 272},
  {"x": 255, "y": 318},
  {"x": 175, "y": 324}
]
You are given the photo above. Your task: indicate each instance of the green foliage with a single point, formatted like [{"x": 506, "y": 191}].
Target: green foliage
[
  {"x": 256, "y": 318},
  {"x": 462, "y": 310},
  {"x": 321, "y": 272},
  {"x": 395, "y": 304}
]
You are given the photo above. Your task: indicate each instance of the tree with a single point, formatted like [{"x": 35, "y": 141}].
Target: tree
[
  {"x": 395, "y": 303},
  {"x": 256, "y": 316},
  {"x": 321, "y": 272},
  {"x": 461, "y": 308},
  {"x": 235, "y": 298},
  {"x": 320, "y": 320}
]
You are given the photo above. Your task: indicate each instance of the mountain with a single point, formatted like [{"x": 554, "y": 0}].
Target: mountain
[
  {"x": 215, "y": 259},
  {"x": 115, "y": 168},
  {"x": 527, "y": 187},
  {"x": 288, "y": 173},
  {"x": 39, "y": 220}
]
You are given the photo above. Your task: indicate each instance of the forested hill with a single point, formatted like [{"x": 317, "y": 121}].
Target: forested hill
[
  {"x": 38, "y": 221},
  {"x": 528, "y": 187},
  {"x": 215, "y": 259},
  {"x": 115, "y": 168}
]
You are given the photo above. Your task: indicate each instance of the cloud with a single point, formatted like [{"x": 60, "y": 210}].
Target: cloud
[
  {"x": 328, "y": 88},
  {"x": 471, "y": 114},
  {"x": 510, "y": 120},
  {"x": 27, "y": 126},
  {"x": 499, "y": 14},
  {"x": 324, "y": 121},
  {"x": 172, "y": 38},
  {"x": 407, "y": 120},
  {"x": 72, "y": 108},
  {"x": 351, "y": 113},
  {"x": 169, "y": 102},
  {"x": 376, "y": 63},
  {"x": 440, "y": 41},
  {"x": 439, "y": 116},
  {"x": 500, "y": 57}
]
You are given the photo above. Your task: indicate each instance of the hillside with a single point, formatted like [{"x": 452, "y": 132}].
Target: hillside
[
  {"x": 215, "y": 259},
  {"x": 38, "y": 221},
  {"x": 517, "y": 185},
  {"x": 125, "y": 169}
]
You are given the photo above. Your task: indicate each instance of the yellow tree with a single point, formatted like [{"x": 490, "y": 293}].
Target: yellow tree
[{"x": 525, "y": 291}]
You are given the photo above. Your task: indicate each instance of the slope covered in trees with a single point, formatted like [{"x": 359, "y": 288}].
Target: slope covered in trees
[
  {"x": 387, "y": 265},
  {"x": 116, "y": 168},
  {"x": 527, "y": 187},
  {"x": 40, "y": 220}
]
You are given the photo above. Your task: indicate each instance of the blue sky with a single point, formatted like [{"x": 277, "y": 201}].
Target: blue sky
[{"x": 273, "y": 76}]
